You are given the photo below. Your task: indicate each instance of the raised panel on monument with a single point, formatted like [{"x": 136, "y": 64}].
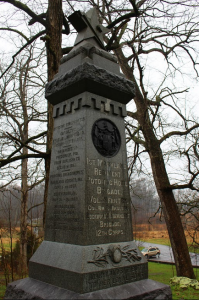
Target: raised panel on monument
[
  {"x": 67, "y": 181},
  {"x": 108, "y": 201}
]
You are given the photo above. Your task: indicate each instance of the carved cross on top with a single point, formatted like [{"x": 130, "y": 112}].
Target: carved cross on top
[{"x": 88, "y": 26}]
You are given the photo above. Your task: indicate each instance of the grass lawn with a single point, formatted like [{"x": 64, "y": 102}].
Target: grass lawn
[
  {"x": 6, "y": 246},
  {"x": 6, "y": 243},
  {"x": 163, "y": 241},
  {"x": 193, "y": 249},
  {"x": 2, "y": 285},
  {"x": 163, "y": 273}
]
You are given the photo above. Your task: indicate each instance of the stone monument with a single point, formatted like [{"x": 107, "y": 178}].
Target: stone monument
[{"x": 88, "y": 250}]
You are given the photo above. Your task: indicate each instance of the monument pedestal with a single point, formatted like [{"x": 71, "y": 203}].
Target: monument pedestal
[
  {"x": 88, "y": 251},
  {"x": 146, "y": 289},
  {"x": 87, "y": 268}
]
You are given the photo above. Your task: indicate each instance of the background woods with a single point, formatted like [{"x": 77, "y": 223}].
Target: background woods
[
  {"x": 21, "y": 138},
  {"x": 155, "y": 42}
]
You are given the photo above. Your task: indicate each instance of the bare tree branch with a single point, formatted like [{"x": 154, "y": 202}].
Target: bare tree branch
[
  {"x": 16, "y": 31},
  {"x": 178, "y": 133},
  {"x": 4, "y": 162},
  {"x": 27, "y": 10},
  {"x": 21, "y": 49}
]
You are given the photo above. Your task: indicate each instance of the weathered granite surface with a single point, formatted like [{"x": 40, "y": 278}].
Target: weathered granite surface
[
  {"x": 88, "y": 236},
  {"x": 29, "y": 288},
  {"x": 91, "y": 78},
  {"x": 87, "y": 50},
  {"x": 88, "y": 268},
  {"x": 89, "y": 200}
]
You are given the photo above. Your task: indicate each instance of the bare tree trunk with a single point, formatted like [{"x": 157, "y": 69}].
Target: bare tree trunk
[
  {"x": 24, "y": 187},
  {"x": 23, "y": 219},
  {"x": 11, "y": 239},
  {"x": 53, "y": 46},
  {"x": 24, "y": 168},
  {"x": 170, "y": 209}
]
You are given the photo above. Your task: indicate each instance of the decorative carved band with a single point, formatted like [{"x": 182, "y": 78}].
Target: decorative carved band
[
  {"x": 92, "y": 101},
  {"x": 91, "y": 78}
]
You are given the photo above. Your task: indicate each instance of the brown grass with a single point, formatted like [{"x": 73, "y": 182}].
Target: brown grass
[{"x": 146, "y": 232}]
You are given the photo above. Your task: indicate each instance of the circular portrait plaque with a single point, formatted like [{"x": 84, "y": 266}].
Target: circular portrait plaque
[{"x": 106, "y": 137}]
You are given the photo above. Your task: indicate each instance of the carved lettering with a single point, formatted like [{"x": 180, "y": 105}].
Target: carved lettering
[
  {"x": 112, "y": 194},
  {"x": 66, "y": 175},
  {"x": 115, "y": 277}
]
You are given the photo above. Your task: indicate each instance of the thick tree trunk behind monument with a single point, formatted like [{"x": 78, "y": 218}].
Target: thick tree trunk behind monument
[
  {"x": 170, "y": 209},
  {"x": 53, "y": 47}
]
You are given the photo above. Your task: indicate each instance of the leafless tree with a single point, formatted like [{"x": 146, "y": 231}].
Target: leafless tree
[
  {"x": 46, "y": 22},
  {"x": 19, "y": 109},
  {"x": 159, "y": 30}
]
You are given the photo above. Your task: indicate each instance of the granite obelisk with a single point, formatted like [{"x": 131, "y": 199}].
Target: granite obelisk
[{"x": 88, "y": 250}]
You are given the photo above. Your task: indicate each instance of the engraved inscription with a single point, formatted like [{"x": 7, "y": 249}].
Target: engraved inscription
[
  {"x": 114, "y": 277},
  {"x": 108, "y": 203},
  {"x": 66, "y": 176}
]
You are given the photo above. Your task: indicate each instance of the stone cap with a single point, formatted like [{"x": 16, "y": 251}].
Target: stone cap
[{"x": 91, "y": 78}]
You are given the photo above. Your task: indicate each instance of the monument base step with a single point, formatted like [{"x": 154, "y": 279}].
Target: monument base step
[{"x": 146, "y": 289}]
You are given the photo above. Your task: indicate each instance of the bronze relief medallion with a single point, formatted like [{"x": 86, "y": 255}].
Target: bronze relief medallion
[{"x": 106, "y": 137}]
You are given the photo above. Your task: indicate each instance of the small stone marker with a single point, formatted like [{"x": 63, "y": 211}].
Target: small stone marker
[{"x": 88, "y": 249}]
